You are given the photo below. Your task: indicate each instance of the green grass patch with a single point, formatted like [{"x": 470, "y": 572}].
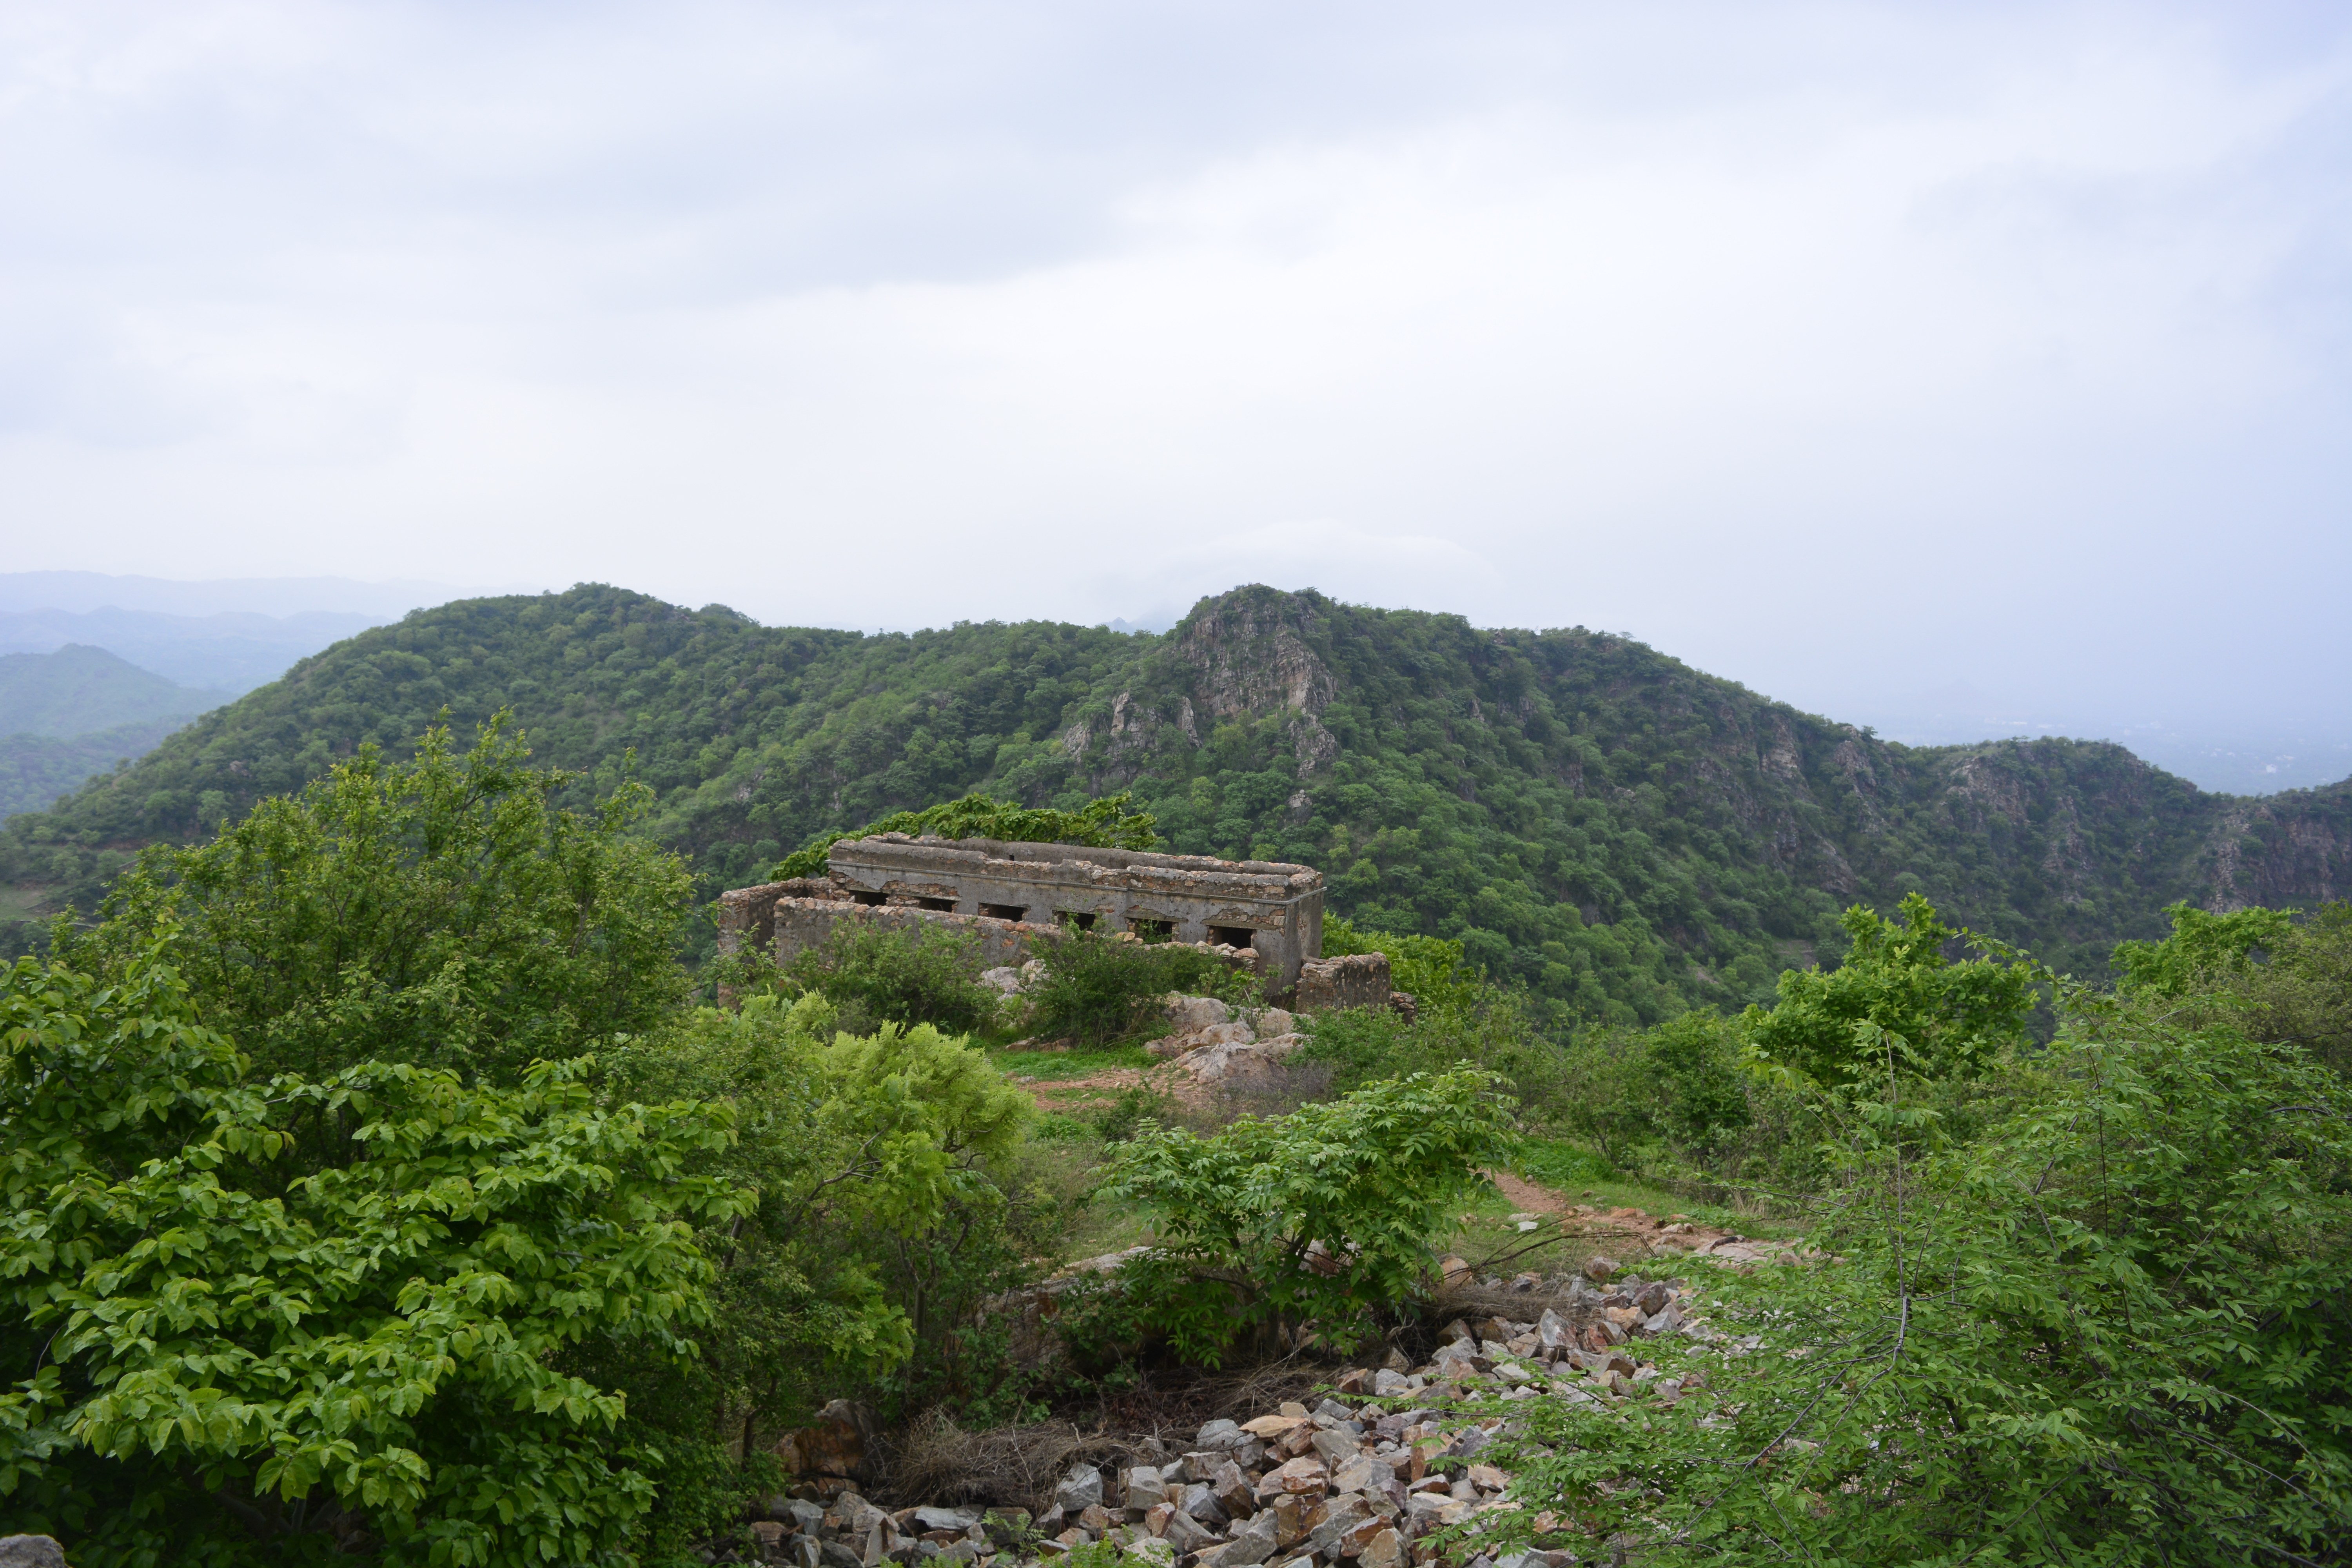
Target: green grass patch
[{"x": 1047, "y": 1066}]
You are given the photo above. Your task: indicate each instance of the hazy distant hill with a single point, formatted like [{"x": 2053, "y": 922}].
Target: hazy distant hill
[
  {"x": 78, "y": 711},
  {"x": 229, "y": 653},
  {"x": 78, "y": 690},
  {"x": 1625, "y": 833}
]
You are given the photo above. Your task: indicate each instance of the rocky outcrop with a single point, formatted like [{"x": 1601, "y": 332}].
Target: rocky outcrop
[{"x": 1214, "y": 1042}]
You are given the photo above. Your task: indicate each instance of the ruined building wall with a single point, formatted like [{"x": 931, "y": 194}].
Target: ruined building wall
[{"x": 1013, "y": 894}]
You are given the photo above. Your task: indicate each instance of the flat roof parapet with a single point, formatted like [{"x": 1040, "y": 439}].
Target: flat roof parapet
[{"x": 1282, "y": 871}]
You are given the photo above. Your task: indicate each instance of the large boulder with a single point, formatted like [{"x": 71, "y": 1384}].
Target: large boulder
[
  {"x": 1186, "y": 1014},
  {"x": 1258, "y": 1065},
  {"x": 31, "y": 1551}
]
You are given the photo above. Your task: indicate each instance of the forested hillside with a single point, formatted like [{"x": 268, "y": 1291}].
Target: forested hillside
[
  {"x": 1625, "y": 834},
  {"x": 36, "y": 769}
]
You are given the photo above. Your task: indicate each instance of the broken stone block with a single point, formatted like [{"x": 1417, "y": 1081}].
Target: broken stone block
[
  {"x": 1335, "y": 1449},
  {"x": 1081, "y": 1488}
]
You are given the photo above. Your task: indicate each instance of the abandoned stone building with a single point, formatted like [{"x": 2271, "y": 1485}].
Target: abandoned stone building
[{"x": 1009, "y": 895}]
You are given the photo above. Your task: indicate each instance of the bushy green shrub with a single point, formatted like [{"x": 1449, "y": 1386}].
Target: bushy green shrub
[
  {"x": 1096, "y": 989},
  {"x": 1460, "y": 1018},
  {"x": 883, "y": 1209},
  {"x": 2277, "y": 977},
  {"x": 1318, "y": 1217},
  {"x": 928, "y": 974},
  {"x": 1948, "y": 1018},
  {"x": 2112, "y": 1329}
]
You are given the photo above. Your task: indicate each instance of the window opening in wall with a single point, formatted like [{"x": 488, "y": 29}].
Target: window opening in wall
[
  {"x": 1078, "y": 918},
  {"x": 1152, "y": 930},
  {"x": 945, "y": 904},
  {"x": 869, "y": 899},
  {"x": 1230, "y": 936},
  {"x": 1003, "y": 912}
]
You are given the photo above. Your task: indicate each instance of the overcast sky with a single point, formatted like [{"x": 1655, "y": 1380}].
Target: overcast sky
[{"x": 1854, "y": 352}]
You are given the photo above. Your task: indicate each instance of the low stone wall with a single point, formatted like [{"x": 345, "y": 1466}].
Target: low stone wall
[
  {"x": 796, "y": 925},
  {"x": 1359, "y": 980},
  {"x": 746, "y": 916}
]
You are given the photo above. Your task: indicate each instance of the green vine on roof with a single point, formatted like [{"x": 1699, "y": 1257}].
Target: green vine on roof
[{"x": 1105, "y": 823}]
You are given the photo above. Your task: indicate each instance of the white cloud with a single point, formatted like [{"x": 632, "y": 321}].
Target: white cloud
[{"x": 1828, "y": 347}]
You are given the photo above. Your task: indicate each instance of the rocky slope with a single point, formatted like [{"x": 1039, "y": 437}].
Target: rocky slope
[{"x": 1367, "y": 1473}]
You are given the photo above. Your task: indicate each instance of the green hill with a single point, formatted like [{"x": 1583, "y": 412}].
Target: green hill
[
  {"x": 1625, "y": 833},
  {"x": 78, "y": 690},
  {"x": 36, "y": 769}
]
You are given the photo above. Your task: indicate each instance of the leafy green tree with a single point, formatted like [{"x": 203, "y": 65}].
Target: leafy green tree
[
  {"x": 249, "y": 1321},
  {"x": 442, "y": 912},
  {"x": 1096, "y": 989},
  {"x": 1314, "y": 1218},
  {"x": 2203, "y": 950},
  {"x": 928, "y": 975},
  {"x": 2281, "y": 979},
  {"x": 881, "y": 1168},
  {"x": 1947, "y": 1017}
]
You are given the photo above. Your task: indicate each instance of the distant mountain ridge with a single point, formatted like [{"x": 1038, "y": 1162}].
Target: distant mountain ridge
[
  {"x": 228, "y": 652},
  {"x": 1625, "y": 834},
  {"x": 79, "y": 689}
]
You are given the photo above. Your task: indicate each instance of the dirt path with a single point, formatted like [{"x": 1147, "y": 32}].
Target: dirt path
[{"x": 1635, "y": 1233}]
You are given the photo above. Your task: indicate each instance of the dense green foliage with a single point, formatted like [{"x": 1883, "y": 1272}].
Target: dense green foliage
[
  {"x": 1618, "y": 832},
  {"x": 1093, "y": 989},
  {"x": 442, "y": 911},
  {"x": 930, "y": 975},
  {"x": 890, "y": 1199},
  {"x": 504, "y": 1253},
  {"x": 2111, "y": 1327},
  {"x": 309, "y": 1300},
  {"x": 1951, "y": 1017},
  {"x": 245, "y": 1319},
  {"x": 1318, "y": 1217},
  {"x": 1105, "y": 823}
]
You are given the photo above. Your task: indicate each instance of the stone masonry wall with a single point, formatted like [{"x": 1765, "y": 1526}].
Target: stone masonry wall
[
  {"x": 1359, "y": 980},
  {"x": 1273, "y": 908},
  {"x": 799, "y": 924}
]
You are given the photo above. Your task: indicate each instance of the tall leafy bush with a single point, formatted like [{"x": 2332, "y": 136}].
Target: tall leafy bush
[
  {"x": 2116, "y": 1329},
  {"x": 249, "y": 1321},
  {"x": 1318, "y": 1217}
]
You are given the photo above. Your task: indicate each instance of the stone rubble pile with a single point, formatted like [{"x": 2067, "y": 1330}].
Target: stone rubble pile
[{"x": 1362, "y": 1478}]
